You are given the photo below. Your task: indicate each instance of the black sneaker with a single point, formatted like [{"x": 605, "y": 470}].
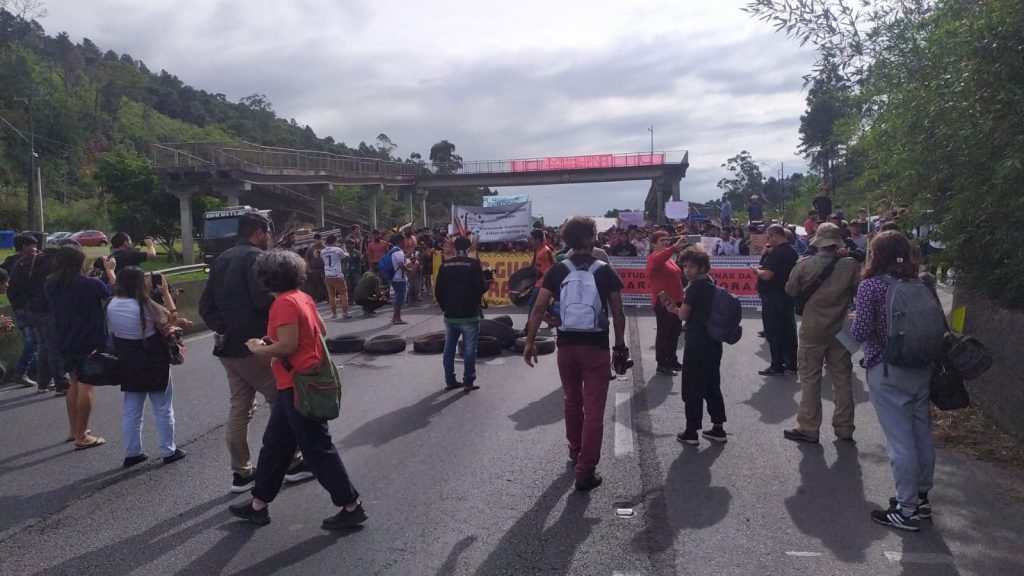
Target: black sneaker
[
  {"x": 665, "y": 370},
  {"x": 717, "y": 433},
  {"x": 688, "y": 437},
  {"x": 177, "y": 455},
  {"x": 298, "y": 473},
  {"x": 245, "y": 511},
  {"x": 345, "y": 519},
  {"x": 240, "y": 484},
  {"x": 469, "y": 387},
  {"x": 924, "y": 507},
  {"x": 769, "y": 371},
  {"x": 675, "y": 365},
  {"x": 894, "y": 517},
  {"x": 453, "y": 385},
  {"x": 799, "y": 436},
  {"x": 791, "y": 370},
  {"x": 589, "y": 483},
  {"x": 130, "y": 461}
]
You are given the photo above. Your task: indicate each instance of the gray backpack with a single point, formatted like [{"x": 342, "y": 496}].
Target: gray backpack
[{"x": 916, "y": 324}]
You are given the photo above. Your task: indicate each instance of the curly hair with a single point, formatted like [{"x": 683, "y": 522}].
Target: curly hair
[
  {"x": 891, "y": 253},
  {"x": 280, "y": 270},
  {"x": 578, "y": 230},
  {"x": 697, "y": 257}
]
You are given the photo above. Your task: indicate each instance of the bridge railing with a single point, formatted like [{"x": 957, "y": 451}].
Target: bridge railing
[{"x": 577, "y": 162}]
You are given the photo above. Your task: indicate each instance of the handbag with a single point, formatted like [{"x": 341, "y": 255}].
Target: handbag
[
  {"x": 946, "y": 389},
  {"x": 966, "y": 354},
  {"x": 172, "y": 336},
  {"x": 98, "y": 369},
  {"x": 318, "y": 391}
]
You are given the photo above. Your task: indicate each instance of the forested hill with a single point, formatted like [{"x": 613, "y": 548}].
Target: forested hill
[{"x": 87, "y": 103}]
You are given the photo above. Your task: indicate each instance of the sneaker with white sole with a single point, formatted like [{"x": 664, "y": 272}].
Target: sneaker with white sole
[
  {"x": 895, "y": 518},
  {"x": 924, "y": 507},
  {"x": 717, "y": 433},
  {"x": 298, "y": 473},
  {"x": 240, "y": 484},
  {"x": 688, "y": 437}
]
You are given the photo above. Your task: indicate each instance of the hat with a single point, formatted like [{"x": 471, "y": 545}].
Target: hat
[
  {"x": 836, "y": 216},
  {"x": 827, "y": 235},
  {"x": 754, "y": 197}
]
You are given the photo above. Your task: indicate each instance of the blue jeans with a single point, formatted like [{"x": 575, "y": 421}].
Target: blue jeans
[
  {"x": 901, "y": 404},
  {"x": 533, "y": 300},
  {"x": 469, "y": 333},
  {"x": 29, "y": 345},
  {"x": 163, "y": 415},
  {"x": 49, "y": 362}
]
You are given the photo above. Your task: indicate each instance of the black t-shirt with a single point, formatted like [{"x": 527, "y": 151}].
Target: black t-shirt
[
  {"x": 622, "y": 249},
  {"x": 781, "y": 260},
  {"x": 823, "y": 204},
  {"x": 126, "y": 259},
  {"x": 607, "y": 280},
  {"x": 699, "y": 295}
]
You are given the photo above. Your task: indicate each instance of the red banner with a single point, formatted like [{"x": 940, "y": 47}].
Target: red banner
[
  {"x": 741, "y": 281},
  {"x": 585, "y": 162}
]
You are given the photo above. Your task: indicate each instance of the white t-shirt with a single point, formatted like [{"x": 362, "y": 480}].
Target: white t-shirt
[
  {"x": 123, "y": 319},
  {"x": 398, "y": 259},
  {"x": 726, "y": 248},
  {"x": 333, "y": 257}
]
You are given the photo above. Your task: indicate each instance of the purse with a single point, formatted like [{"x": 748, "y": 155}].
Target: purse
[
  {"x": 174, "y": 342},
  {"x": 98, "y": 369},
  {"x": 946, "y": 389},
  {"x": 318, "y": 391}
]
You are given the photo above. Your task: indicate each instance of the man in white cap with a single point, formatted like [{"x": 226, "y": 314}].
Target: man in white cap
[{"x": 827, "y": 283}]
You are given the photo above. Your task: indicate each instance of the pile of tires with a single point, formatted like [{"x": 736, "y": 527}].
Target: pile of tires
[
  {"x": 498, "y": 329},
  {"x": 345, "y": 344},
  {"x": 544, "y": 345},
  {"x": 385, "y": 344},
  {"x": 432, "y": 343},
  {"x": 486, "y": 346}
]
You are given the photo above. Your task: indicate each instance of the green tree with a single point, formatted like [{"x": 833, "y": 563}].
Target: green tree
[
  {"x": 444, "y": 158},
  {"x": 744, "y": 180}
]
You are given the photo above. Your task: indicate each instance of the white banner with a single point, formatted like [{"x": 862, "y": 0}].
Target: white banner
[
  {"x": 496, "y": 224},
  {"x": 492, "y": 201},
  {"x": 677, "y": 210}
]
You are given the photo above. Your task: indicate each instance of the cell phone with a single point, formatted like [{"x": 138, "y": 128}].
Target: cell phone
[
  {"x": 693, "y": 239},
  {"x": 664, "y": 299},
  {"x": 158, "y": 279}
]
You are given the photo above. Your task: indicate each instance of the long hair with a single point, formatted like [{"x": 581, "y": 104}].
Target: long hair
[
  {"x": 67, "y": 264},
  {"x": 131, "y": 283},
  {"x": 891, "y": 253}
]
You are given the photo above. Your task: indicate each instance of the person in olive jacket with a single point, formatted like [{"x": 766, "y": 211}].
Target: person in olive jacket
[{"x": 460, "y": 284}]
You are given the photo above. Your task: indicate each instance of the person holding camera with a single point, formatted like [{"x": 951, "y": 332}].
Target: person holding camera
[
  {"x": 664, "y": 275},
  {"x": 124, "y": 252},
  {"x": 460, "y": 284}
]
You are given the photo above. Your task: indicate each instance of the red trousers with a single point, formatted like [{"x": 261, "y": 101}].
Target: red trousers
[{"x": 584, "y": 372}]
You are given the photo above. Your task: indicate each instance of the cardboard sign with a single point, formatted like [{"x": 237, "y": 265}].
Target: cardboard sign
[{"x": 758, "y": 243}]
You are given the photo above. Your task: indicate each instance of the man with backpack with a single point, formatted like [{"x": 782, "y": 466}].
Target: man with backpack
[
  {"x": 824, "y": 284},
  {"x": 395, "y": 272},
  {"x": 585, "y": 290}
]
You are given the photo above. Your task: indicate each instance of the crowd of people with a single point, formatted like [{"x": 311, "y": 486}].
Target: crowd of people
[{"x": 261, "y": 305}]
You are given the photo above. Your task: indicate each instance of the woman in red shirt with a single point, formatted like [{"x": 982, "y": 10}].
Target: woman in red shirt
[
  {"x": 293, "y": 341},
  {"x": 663, "y": 274}
]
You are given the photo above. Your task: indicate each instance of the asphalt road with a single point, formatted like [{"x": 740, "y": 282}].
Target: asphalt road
[{"x": 479, "y": 483}]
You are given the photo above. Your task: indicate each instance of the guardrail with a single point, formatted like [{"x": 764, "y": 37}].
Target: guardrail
[
  {"x": 622, "y": 159},
  {"x": 182, "y": 270}
]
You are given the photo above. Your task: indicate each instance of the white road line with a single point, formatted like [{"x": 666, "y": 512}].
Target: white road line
[
  {"x": 206, "y": 334},
  {"x": 623, "y": 424},
  {"x": 918, "y": 557},
  {"x": 803, "y": 554}
]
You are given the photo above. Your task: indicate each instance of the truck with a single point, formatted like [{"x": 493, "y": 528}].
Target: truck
[{"x": 220, "y": 229}]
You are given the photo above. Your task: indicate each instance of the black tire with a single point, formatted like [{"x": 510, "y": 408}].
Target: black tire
[
  {"x": 432, "y": 343},
  {"x": 504, "y": 319},
  {"x": 385, "y": 344},
  {"x": 544, "y": 345},
  {"x": 486, "y": 346},
  {"x": 520, "y": 284},
  {"x": 504, "y": 333},
  {"x": 345, "y": 344}
]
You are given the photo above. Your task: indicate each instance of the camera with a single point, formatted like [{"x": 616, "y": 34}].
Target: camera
[
  {"x": 158, "y": 279},
  {"x": 488, "y": 275}
]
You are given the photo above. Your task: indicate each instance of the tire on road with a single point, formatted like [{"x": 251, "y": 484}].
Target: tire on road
[
  {"x": 520, "y": 284},
  {"x": 486, "y": 346},
  {"x": 432, "y": 343},
  {"x": 345, "y": 344},
  {"x": 385, "y": 344},
  {"x": 503, "y": 332},
  {"x": 504, "y": 319},
  {"x": 544, "y": 345}
]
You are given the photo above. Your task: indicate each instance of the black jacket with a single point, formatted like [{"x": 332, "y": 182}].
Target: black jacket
[
  {"x": 234, "y": 303},
  {"x": 460, "y": 284}
]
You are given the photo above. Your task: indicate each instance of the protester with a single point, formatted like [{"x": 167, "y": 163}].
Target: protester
[
  {"x": 49, "y": 363},
  {"x": 294, "y": 331},
  {"x": 857, "y": 236},
  {"x": 124, "y": 253},
  {"x": 664, "y": 275},
  {"x": 811, "y": 223},
  {"x": 316, "y": 285},
  {"x": 583, "y": 357},
  {"x": 776, "y": 305},
  {"x": 353, "y": 268},
  {"x": 236, "y": 306},
  {"x": 726, "y": 208},
  {"x": 755, "y": 209},
  {"x": 334, "y": 259},
  {"x": 822, "y": 319},
  {"x": 899, "y": 395},
  {"x": 134, "y": 320},
  {"x": 414, "y": 269},
  {"x": 399, "y": 280},
  {"x": 6, "y": 322},
  {"x": 543, "y": 260},
  {"x": 639, "y": 240},
  {"x": 76, "y": 303},
  {"x": 726, "y": 245},
  {"x": 702, "y": 355},
  {"x": 460, "y": 285},
  {"x": 376, "y": 248},
  {"x": 822, "y": 203},
  {"x": 368, "y": 293},
  {"x": 355, "y": 236},
  {"x": 19, "y": 266}
]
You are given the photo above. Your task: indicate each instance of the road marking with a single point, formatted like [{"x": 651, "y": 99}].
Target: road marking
[
  {"x": 918, "y": 557},
  {"x": 206, "y": 334},
  {"x": 623, "y": 424},
  {"x": 799, "y": 554}
]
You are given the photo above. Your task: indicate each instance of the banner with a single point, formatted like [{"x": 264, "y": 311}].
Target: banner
[
  {"x": 587, "y": 161},
  {"x": 677, "y": 209},
  {"x": 504, "y": 265},
  {"x": 491, "y": 201},
  {"x": 627, "y": 219},
  {"x": 496, "y": 224},
  {"x": 730, "y": 272}
]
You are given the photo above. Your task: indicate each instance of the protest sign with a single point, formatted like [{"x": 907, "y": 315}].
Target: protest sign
[
  {"x": 677, "y": 210},
  {"x": 496, "y": 224},
  {"x": 491, "y": 201},
  {"x": 627, "y": 219}
]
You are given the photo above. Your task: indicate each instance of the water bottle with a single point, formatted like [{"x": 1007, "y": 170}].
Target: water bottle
[{"x": 218, "y": 344}]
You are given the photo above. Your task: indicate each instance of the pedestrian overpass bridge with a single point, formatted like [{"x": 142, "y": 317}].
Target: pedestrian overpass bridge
[{"x": 298, "y": 183}]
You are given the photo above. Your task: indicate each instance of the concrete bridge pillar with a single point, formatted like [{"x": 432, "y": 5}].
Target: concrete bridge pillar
[
  {"x": 411, "y": 191},
  {"x": 318, "y": 203},
  {"x": 232, "y": 193},
  {"x": 188, "y": 255},
  {"x": 423, "y": 197},
  {"x": 374, "y": 191}
]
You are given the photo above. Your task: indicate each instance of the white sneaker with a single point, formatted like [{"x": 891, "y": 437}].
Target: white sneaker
[{"x": 27, "y": 382}]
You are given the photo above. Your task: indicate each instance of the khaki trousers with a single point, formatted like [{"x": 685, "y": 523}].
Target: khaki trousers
[
  {"x": 337, "y": 288},
  {"x": 246, "y": 377},
  {"x": 836, "y": 359}
]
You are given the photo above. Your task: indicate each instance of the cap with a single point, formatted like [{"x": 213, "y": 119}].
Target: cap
[{"x": 827, "y": 235}]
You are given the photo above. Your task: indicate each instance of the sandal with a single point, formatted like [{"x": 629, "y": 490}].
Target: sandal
[
  {"x": 72, "y": 438},
  {"x": 97, "y": 441}
]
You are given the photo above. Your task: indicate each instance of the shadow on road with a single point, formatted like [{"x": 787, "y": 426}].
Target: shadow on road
[
  {"x": 775, "y": 399},
  {"x": 452, "y": 561},
  {"x": 394, "y": 425},
  {"x": 540, "y": 412},
  {"x": 290, "y": 556}
]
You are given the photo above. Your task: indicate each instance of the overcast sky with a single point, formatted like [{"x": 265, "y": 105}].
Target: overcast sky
[{"x": 500, "y": 80}]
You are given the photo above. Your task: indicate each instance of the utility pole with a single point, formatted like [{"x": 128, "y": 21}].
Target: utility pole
[
  {"x": 30, "y": 212},
  {"x": 651, "y": 129}
]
